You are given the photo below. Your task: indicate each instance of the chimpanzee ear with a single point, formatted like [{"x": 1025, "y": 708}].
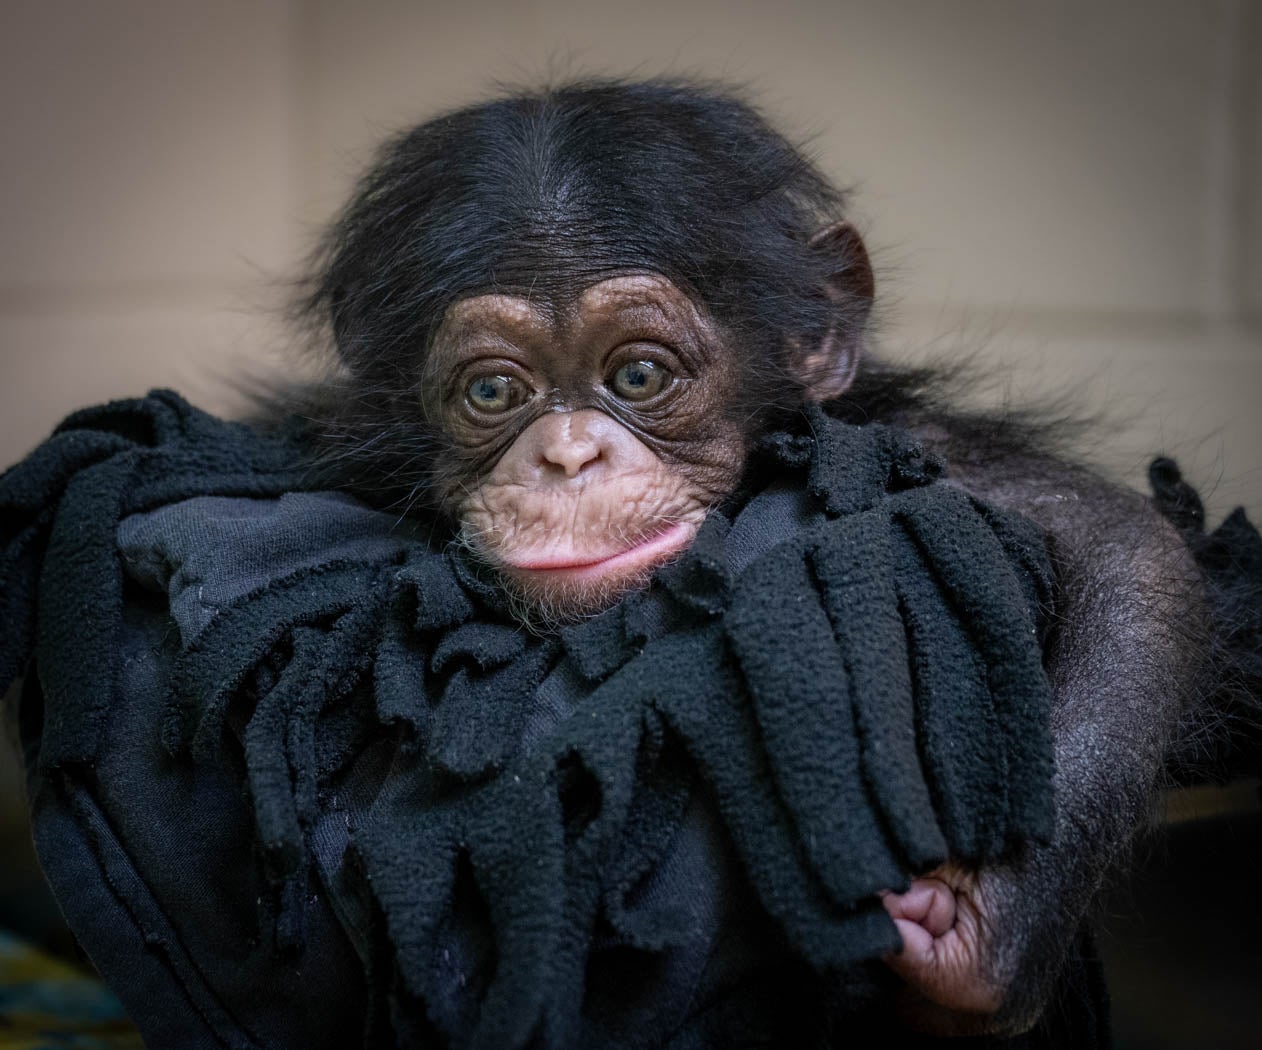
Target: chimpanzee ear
[
  {"x": 827, "y": 368},
  {"x": 852, "y": 273}
]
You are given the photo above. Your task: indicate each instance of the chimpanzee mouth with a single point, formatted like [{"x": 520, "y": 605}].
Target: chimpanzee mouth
[{"x": 642, "y": 555}]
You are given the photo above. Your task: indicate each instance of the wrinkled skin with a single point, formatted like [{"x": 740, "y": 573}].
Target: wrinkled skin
[
  {"x": 941, "y": 919},
  {"x": 581, "y": 491}
]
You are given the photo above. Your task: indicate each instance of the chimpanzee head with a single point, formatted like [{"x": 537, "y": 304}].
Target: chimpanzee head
[{"x": 562, "y": 317}]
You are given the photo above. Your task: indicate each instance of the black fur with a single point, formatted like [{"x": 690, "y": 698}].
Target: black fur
[{"x": 543, "y": 194}]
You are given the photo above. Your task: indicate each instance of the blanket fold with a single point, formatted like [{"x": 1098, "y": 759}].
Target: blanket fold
[{"x": 376, "y": 787}]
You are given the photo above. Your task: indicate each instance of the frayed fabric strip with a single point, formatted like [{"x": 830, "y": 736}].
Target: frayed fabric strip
[{"x": 604, "y": 836}]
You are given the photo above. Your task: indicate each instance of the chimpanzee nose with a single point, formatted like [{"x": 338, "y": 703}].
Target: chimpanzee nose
[{"x": 571, "y": 441}]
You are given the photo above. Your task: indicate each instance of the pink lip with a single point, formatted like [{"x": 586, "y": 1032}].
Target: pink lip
[{"x": 646, "y": 552}]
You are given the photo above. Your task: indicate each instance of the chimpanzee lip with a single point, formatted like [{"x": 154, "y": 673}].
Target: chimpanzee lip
[{"x": 653, "y": 548}]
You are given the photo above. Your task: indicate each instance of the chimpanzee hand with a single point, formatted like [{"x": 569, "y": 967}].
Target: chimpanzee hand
[
  {"x": 983, "y": 948},
  {"x": 953, "y": 985}
]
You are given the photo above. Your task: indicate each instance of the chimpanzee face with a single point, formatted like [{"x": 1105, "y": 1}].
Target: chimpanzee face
[{"x": 588, "y": 437}]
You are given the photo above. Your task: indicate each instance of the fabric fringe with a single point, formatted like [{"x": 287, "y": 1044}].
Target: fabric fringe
[{"x": 845, "y": 668}]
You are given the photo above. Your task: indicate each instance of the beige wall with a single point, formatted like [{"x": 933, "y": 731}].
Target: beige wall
[{"x": 1074, "y": 187}]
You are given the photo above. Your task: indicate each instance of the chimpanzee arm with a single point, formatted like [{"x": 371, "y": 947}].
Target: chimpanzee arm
[{"x": 1126, "y": 658}]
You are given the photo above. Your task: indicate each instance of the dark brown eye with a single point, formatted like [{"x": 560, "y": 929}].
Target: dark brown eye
[
  {"x": 639, "y": 380},
  {"x": 492, "y": 394}
]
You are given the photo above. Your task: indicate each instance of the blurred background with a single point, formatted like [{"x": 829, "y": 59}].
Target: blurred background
[{"x": 1071, "y": 190}]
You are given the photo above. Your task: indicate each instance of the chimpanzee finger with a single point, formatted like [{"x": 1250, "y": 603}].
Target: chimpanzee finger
[{"x": 929, "y": 903}]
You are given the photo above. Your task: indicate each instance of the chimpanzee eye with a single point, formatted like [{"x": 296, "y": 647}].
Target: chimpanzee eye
[
  {"x": 639, "y": 380},
  {"x": 493, "y": 394}
]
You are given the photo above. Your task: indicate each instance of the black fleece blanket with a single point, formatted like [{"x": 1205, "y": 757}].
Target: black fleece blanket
[{"x": 299, "y": 780}]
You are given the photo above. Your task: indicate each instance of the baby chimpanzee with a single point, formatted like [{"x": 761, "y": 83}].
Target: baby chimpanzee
[{"x": 563, "y": 319}]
